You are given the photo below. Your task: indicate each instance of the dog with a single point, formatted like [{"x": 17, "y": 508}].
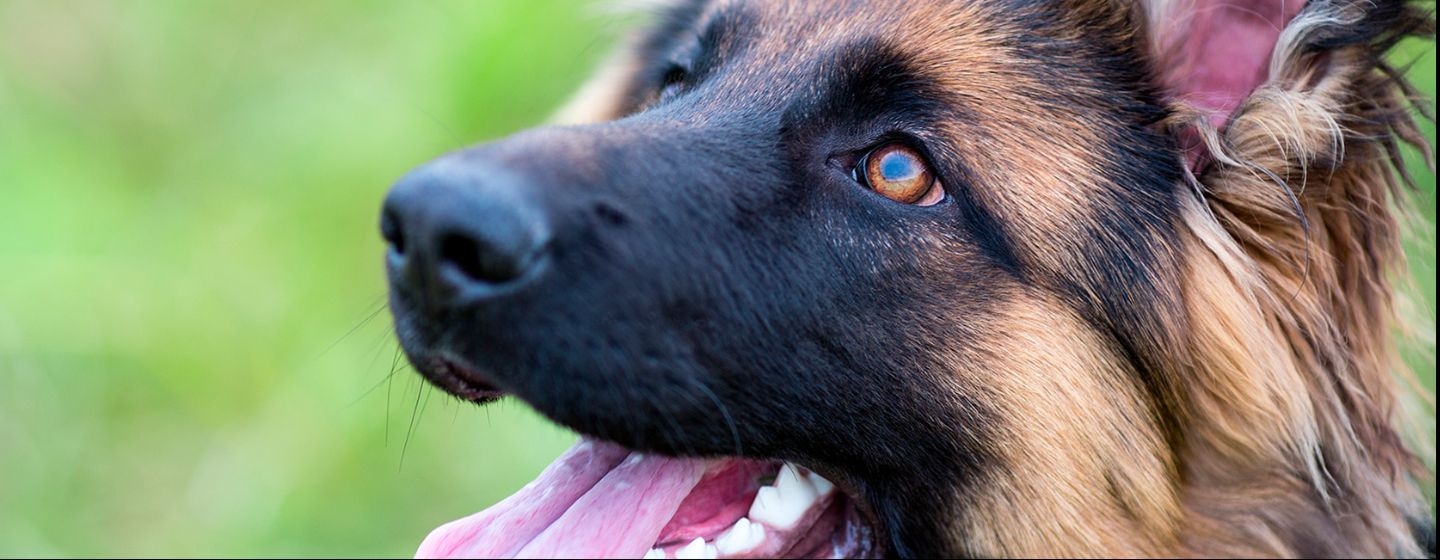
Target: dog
[{"x": 942, "y": 278}]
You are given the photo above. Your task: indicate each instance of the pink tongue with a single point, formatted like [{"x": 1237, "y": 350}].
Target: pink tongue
[{"x": 598, "y": 500}]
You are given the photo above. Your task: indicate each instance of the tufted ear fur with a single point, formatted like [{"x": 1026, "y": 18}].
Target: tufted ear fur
[{"x": 1290, "y": 121}]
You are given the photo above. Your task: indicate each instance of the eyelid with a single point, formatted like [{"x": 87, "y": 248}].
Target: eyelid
[
  {"x": 671, "y": 83},
  {"x": 674, "y": 75},
  {"x": 859, "y": 163}
]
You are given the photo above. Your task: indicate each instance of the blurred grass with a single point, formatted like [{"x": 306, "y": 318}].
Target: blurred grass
[{"x": 187, "y": 233}]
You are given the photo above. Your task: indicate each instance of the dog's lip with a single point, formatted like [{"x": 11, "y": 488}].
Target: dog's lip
[
  {"x": 851, "y": 488},
  {"x": 459, "y": 378}
]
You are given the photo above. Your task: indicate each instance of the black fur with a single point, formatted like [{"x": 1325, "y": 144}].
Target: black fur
[{"x": 1424, "y": 529}]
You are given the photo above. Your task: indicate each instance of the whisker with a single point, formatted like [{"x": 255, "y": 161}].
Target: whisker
[
  {"x": 725, "y": 412},
  {"x": 383, "y": 380},
  {"x": 372, "y": 389},
  {"x": 378, "y": 304},
  {"x": 414, "y": 413},
  {"x": 429, "y": 390},
  {"x": 389, "y": 385}
]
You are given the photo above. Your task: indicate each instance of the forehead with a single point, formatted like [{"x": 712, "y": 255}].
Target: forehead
[
  {"x": 785, "y": 35},
  {"x": 797, "y": 21},
  {"x": 764, "y": 55},
  {"x": 995, "y": 59}
]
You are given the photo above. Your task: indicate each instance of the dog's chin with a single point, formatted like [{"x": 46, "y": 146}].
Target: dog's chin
[{"x": 602, "y": 500}]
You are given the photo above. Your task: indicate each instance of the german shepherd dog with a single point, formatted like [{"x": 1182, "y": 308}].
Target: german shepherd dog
[{"x": 942, "y": 278}]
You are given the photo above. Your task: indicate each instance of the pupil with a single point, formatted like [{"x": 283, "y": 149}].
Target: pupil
[{"x": 896, "y": 167}]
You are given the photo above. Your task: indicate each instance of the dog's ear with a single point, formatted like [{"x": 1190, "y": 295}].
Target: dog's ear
[
  {"x": 1209, "y": 56},
  {"x": 1292, "y": 71},
  {"x": 1290, "y": 119}
]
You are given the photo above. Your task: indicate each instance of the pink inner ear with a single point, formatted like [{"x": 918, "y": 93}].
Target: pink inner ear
[{"x": 1218, "y": 51}]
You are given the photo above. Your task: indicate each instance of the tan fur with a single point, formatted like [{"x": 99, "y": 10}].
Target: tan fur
[
  {"x": 1044, "y": 363},
  {"x": 598, "y": 99}
]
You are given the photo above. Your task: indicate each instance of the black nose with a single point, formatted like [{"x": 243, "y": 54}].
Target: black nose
[{"x": 456, "y": 229}]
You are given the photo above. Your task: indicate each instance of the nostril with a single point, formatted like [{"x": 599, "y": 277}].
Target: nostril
[
  {"x": 453, "y": 238},
  {"x": 476, "y": 261},
  {"x": 391, "y": 231}
]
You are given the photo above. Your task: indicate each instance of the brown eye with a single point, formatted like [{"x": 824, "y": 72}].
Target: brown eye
[{"x": 900, "y": 173}]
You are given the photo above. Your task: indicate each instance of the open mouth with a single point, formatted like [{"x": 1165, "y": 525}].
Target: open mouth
[{"x": 601, "y": 500}]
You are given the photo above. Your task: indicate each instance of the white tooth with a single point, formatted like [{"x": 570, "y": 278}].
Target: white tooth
[
  {"x": 779, "y": 509},
  {"x": 821, "y": 485},
  {"x": 654, "y": 554},
  {"x": 793, "y": 487},
  {"x": 757, "y": 535},
  {"x": 765, "y": 506},
  {"x": 696, "y": 549},
  {"x": 740, "y": 538},
  {"x": 711, "y": 553},
  {"x": 731, "y": 540}
]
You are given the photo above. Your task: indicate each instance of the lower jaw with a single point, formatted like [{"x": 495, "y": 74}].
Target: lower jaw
[{"x": 602, "y": 500}]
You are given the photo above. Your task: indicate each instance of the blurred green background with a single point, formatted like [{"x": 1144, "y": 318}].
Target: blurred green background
[{"x": 188, "y": 199}]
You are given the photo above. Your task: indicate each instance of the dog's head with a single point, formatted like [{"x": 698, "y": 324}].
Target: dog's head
[{"x": 941, "y": 253}]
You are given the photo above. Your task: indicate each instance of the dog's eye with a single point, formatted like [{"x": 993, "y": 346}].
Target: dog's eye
[
  {"x": 898, "y": 172},
  {"x": 672, "y": 82}
]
